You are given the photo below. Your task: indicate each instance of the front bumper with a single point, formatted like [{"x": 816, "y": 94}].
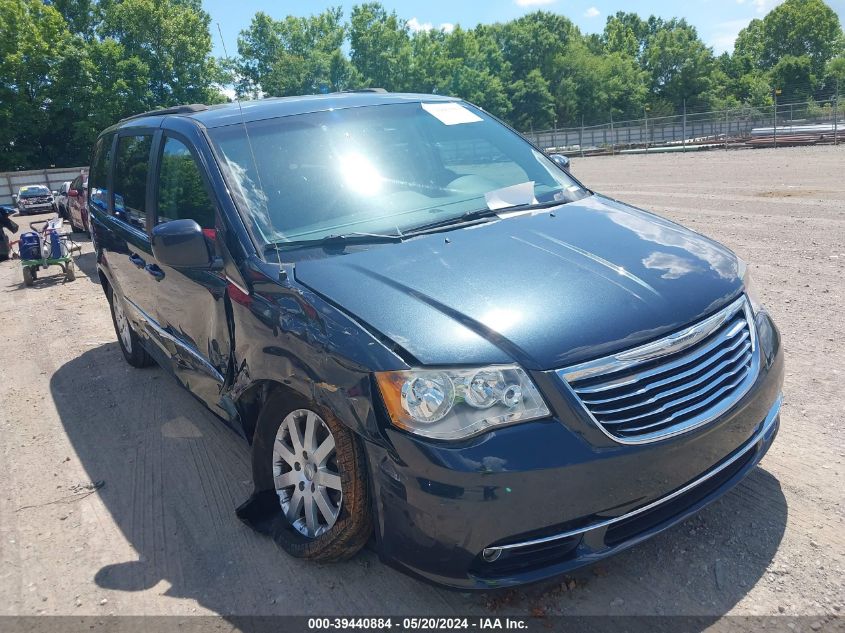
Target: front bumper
[
  {"x": 532, "y": 501},
  {"x": 36, "y": 208}
]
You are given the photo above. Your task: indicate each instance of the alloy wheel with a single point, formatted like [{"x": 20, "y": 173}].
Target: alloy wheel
[
  {"x": 306, "y": 474},
  {"x": 122, "y": 323}
]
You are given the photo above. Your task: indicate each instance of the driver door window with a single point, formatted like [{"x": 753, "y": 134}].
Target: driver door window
[{"x": 181, "y": 190}]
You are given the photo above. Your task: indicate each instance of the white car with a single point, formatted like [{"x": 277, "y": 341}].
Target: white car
[
  {"x": 35, "y": 199},
  {"x": 61, "y": 200}
]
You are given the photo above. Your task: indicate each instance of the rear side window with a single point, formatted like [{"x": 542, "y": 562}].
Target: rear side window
[
  {"x": 130, "y": 179},
  {"x": 99, "y": 178},
  {"x": 181, "y": 190}
]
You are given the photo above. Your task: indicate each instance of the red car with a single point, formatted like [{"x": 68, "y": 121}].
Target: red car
[{"x": 77, "y": 205}]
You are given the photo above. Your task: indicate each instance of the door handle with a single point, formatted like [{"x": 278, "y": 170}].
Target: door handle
[
  {"x": 137, "y": 260},
  {"x": 155, "y": 271}
]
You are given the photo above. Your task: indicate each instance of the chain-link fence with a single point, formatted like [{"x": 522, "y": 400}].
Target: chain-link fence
[{"x": 787, "y": 124}]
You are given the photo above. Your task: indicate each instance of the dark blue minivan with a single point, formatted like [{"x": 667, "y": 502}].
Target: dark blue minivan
[{"x": 430, "y": 334}]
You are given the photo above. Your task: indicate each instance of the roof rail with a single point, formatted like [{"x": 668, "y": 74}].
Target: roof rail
[
  {"x": 375, "y": 90},
  {"x": 180, "y": 109}
]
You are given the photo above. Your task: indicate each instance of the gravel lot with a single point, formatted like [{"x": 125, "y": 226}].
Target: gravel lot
[{"x": 161, "y": 537}]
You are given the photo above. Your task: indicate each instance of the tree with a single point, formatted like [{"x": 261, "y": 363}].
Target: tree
[
  {"x": 33, "y": 41},
  {"x": 800, "y": 28},
  {"x": 836, "y": 73},
  {"x": 172, "y": 39},
  {"x": 462, "y": 63},
  {"x": 80, "y": 15},
  {"x": 533, "y": 103},
  {"x": 381, "y": 46},
  {"x": 294, "y": 55},
  {"x": 626, "y": 34},
  {"x": 794, "y": 76},
  {"x": 679, "y": 64},
  {"x": 534, "y": 42}
]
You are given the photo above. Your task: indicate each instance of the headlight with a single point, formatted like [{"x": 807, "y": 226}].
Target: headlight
[
  {"x": 750, "y": 288},
  {"x": 451, "y": 404}
]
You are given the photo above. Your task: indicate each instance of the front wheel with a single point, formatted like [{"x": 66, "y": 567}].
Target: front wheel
[
  {"x": 28, "y": 276},
  {"x": 318, "y": 471},
  {"x": 130, "y": 344}
]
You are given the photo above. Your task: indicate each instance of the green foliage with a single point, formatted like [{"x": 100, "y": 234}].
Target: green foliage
[
  {"x": 533, "y": 103},
  {"x": 794, "y": 76},
  {"x": 294, "y": 56},
  {"x": 381, "y": 46},
  {"x": 801, "y": 28},
  {"x": 836, "y": 73},
  {"x": 69, "y": 68},
  {"x": 678, "y": 63}
]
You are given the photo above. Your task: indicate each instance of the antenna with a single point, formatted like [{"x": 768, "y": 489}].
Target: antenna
[{"x": 251, "y": 150}]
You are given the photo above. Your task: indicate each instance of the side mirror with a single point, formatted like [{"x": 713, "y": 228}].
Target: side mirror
[
  {"x": 72, "y": 193},
  {"x": 55, "y": 193},
  {"x": 14, "y": 198},
  {"x": 181, "y": 244},
  {"x": 561, "y": 161}
]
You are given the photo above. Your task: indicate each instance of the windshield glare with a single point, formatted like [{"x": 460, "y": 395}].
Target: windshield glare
[{"x": 380, "y": 169}]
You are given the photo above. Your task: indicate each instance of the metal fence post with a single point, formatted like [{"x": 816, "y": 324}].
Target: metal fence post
[
  {"x": 836, "y": 115},
  {"x": 684, "y": 133},
  {"x": 728, "y": 127},
  {"x": 612, "y": 137},
  {"x": 775, "y": 119},
  {"x": 581, "y": 137}
]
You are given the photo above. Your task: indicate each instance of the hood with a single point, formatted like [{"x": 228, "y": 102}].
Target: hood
[{"x": 545, "y": 290}]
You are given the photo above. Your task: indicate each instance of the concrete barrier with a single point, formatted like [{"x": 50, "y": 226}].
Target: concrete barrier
[{"x": 12, "y": 181}]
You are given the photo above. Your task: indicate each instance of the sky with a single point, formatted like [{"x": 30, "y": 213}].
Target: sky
[{"x": 717, "y": 21}]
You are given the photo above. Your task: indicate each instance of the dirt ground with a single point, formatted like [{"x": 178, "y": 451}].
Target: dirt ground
[{"x": 159, "y": 536}]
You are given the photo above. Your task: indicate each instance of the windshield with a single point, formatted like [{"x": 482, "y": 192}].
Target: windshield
[
  {"x": 380, "y": 169},
  {"x": 32, "y": 192}
]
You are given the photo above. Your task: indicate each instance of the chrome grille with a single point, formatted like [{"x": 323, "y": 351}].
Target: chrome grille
[{"x": 674, "y": 384}]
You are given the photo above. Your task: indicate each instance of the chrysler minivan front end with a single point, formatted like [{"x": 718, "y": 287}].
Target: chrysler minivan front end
[{"x": 430, "y": 331}]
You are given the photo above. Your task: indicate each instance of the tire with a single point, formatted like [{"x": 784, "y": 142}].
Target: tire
[
  {"x": 70, "y": 272},
  {"x": 130, "y": 344},
  {"x": 28, "y": 277},
  {"x": 352, "y": 526}
]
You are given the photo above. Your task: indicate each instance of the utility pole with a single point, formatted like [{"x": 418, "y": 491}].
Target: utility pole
[{"x": 684, "y": 139}]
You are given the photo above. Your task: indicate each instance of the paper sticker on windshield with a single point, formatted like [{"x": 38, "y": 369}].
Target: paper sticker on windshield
[
  {"x": 451, "y": 113},
  {"x": 513, "y": 196}
]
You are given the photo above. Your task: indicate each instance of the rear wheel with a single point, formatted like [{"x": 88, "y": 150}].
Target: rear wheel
[
  {"x": 317, "y": 468},
  {"x": 28, "y": 277},
  {"x": 70, "y": 272},
  {"x": 130, "y": 344}
]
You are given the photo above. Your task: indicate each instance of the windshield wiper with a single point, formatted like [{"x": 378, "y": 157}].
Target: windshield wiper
[
  {"x": 469, "y": 216},
  {"x": 345, "y": 238},
  {"x": 478, "y": 214}
]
